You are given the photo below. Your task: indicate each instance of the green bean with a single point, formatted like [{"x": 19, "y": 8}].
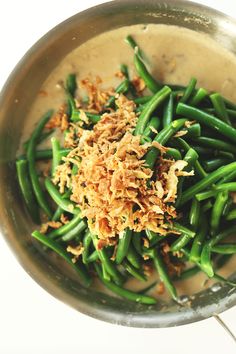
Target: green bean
[
  {"x": 225, "y": 248},
  {"x": 75, "y": 113},
  {"x": 189, "y": 90},
  {"x": 143, "y": 99},
  {"x": 93, "y": 257},
  {"x": 227, "y": 178},
  {"x": 230, "y": 187},
  {"x": 182, "y": 229},
  {"x": 65, "y": 228},
  {"x": 190, "y": 157},
  {"x": 144, "y": 117},
  {"x": 221, "y": 236},
  {"x": 129, "y": 39},
  {"x": 162, "y": 137},
  {"x": 26, "y": 190},
  {"x": 152, "y": 84},
  {"x": 227, "y": 207},
  {"x": 215, "y": 144},
  {"x": 217, "y": 211},
  {"x": 203, "y": 151},
  {"x": 198, "y": 97},
  {"x": 137, "y": 242},
  {"x": 40, "y": 196},
  {"x": 133, "y": 271},
  {"x": 231, "y": 215},
  {"x": 194, "y": 214},
  {"x": 168, "y": 112},
  {"x": 127, "y": 294},
  {"x": 105, "y": 274},
  {"x": 121, "y": 88},
  {"x": 87, "y": 240},
  {"x": 206, "y": 263},
  {"x": 208, "y": 120},
  {"x": 154, "y": 124},
  {"x": 231, "y": 112},
  {"x": 195, "y": 253},
  {"x": 206, "y": 206},
  {"x": 46, "y": 154},
  {"x": 205, "y": 195},
  {"x": 193, "y": 131},
  {"x": 174, "y": 153},
  {"x": 133, "y": 257},
  {"x": 123, "y": 245},
  {"x": 222, "y": 279},
  {"x": 75, "y": 232},
  {"x": 164, "y": 276},
  {"x": 213, "y": 164},
  {"x": 41, "y": 138},
  {"x": 65, "y": 204},
  {"x": 219, "y": 107},
  {"x": 108, "y": 264},
  {"x": 206, "y": 252},
  {"x": 197, "y": 166},
  {"x": 56, "y": 156},
  {"x": 186, "y": 274},
  {"x": 181, "y": 242},
  {"x": 71, "y": 85},
  {"x": 153, "y": 237},
  {"x": 207, "y": 182},
  {"x": 59, "y": 210},
  {"x": 84, "y": 276}
]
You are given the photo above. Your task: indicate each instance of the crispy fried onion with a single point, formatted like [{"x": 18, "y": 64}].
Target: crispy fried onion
[{"x": 112, "y": 187}]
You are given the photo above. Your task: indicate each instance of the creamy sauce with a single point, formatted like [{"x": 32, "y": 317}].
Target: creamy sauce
[{"x": 173, "y": 54}]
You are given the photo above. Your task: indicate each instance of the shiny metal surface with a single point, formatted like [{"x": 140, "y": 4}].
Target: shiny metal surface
[{"x": 21, "y": 89}]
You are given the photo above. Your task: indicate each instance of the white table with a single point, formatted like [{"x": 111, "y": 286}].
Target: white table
[{"x": 32, "y": 321}]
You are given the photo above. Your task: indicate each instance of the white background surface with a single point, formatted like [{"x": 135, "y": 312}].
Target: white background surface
[{"x": 31, "y": 321}]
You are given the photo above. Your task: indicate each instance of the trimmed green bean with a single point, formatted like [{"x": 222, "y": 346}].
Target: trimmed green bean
[
  {"x": 123, "y": 245},
  {"x": 189, "y": 90},
  {"x": 168, "y": 112},
  {"x": 40, "y": 196},
  {"x": 71, "y": 85},
  {"x": 207, "y": 182},
  {"x": 164, "y": 276},
  {"x": 65, "y": 204},
  {"x": 213, "y": 164},
  {"x": 56, "y": 155},
  {"x": 133, "y": 257},
  {"x": 84, "y": 276},
  {"x": 215, "y": 144},
  {"x": 137, "y": 242},
  {"x": 133, "y": 271},
  {"x": 63, "y": 230},
  {"x": 217, "y": 211},
  {"x": 198, "y": 97},
  {"x": 123, "y": 87},
  {"x": 87, "y": 241},
  {"x": 194, "y": 214},
  {"x": 219, "y": 107},
  {"x": 145, "y": 115},
  {"x": 206, "y": 195},
  {"x": 225, "y": 248},
  {"x": 230, "y": 187},
  {"x": 195, "y": 253},
  {"x": 162, "y": 137},
  {"x": 207, "y": 119},
  {"x": 231, "y": 215},
  {"x": 75, "y": 232},
  {"x": 181, "y": 242},
  {"x": 108, "y": 263},
  {"x": 26, "y": 190},
  {"x": 174, "y": 153},
  {"x": 127, "y": 294}
]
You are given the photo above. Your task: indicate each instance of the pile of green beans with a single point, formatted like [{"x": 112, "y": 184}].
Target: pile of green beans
[{"x": 196, "y": 126}]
